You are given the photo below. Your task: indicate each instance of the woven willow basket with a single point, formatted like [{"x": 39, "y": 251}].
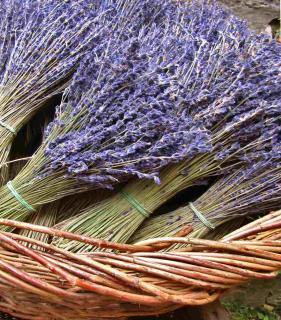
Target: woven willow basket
[{"x": 39, "y": 281}]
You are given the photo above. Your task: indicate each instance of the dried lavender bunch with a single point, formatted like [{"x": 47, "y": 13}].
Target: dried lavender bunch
[
  {"x": 39, "y": 61},
  {"x": 127, "y": 123},
  {"x": 118, "y": 122},
  {"x": 227, "y": 81},
  {"x": 130, "y": 126},
  {"x": 253, "y": 189}
]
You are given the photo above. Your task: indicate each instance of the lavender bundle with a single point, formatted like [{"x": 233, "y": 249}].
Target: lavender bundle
[
  {"x": 227, "y": 81},
  {"x": 38, "y": 61},
  {"x": 119, "y": 121},
  {"x": 254, "y": 189}
]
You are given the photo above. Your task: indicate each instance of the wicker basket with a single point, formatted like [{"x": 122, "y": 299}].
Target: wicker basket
[{"x": 134, "y": 280}]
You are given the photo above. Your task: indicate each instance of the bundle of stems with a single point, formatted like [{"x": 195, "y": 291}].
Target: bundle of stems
[
  {"x": 72, "y": 205},
  {"x": 235, "y": 95},
  {"x": 29, "y": 191},
  {"x": 110, "y": 227},
  {"x": 51, "y": 214},
  {"x": 30, "y": 176},
  {"x": 247, "y": 192},
  {"x": 118, "y": 217},
  {"x": 98, "y": 136},
  {"x": 44, "y": 55}
]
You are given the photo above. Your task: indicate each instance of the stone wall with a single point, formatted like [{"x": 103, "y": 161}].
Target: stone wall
[{"x": 258, "y": 12}]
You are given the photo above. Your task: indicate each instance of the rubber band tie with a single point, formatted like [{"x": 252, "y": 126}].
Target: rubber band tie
[
  {"x": 137, "y": 205},
  {"x": 8, "y": 127},
  {"x": 201, "y": 217},
  {"x": 19, "y": 197}
]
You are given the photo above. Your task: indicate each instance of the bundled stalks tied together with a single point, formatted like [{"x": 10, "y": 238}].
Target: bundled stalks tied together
[
  {"x": 43, "y": 42},
  {"x": 227, "y": 80},
  {"x": 117, "y": 118},
  {"x": 55, "y": 212},
  {"x": 249, "y": 191}
]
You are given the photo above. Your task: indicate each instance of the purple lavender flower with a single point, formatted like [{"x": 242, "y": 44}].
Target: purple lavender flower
[
  {"x": 44, "y": 42},
  {"x": 126, "y": 119},
  {"x": 215, "y": 74},
  {"x": 148, "y": 99}
]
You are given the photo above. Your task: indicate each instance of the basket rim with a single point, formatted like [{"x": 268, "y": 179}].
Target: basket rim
[{"x": 137, "y": 279}]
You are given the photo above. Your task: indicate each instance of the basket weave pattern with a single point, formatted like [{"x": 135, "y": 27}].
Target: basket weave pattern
[{"x": 40, "y": 281}]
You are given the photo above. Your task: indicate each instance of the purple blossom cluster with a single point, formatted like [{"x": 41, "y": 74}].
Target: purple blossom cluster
[
  {"x": 50, "y": 45},
  {"x": 126, "y": 119},
  {"x": 249, "y": 112},
  {"x": 44, "y": 41},
  {"x": 153, "y": 87},
  {"x": 143, "y": 98},
  {"x": 231, "y": 85}
]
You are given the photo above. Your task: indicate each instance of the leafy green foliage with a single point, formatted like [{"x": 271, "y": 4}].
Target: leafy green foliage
[{"x": 243, "y": 312}]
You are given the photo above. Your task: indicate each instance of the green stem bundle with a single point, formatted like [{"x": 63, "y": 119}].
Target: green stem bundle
[
  {"x": 32, "y": 189},
  {"x": 119, "y": 216},
  {"x": 230, "y": 197},
  {"x": 51, "y": 214}
]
